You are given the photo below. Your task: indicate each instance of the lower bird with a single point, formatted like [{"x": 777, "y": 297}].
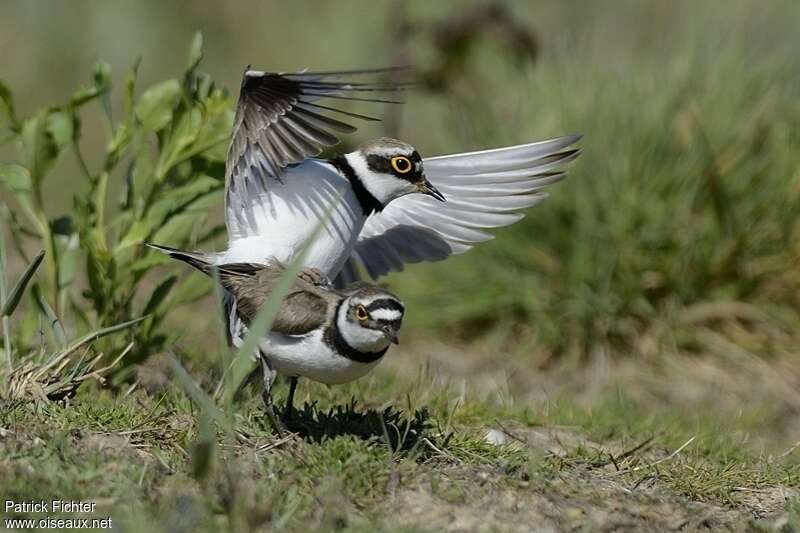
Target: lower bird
[{"x": 328, "y": 335}]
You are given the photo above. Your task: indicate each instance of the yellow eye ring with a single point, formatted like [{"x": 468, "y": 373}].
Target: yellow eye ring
[
  {"x": 361, "y": 313},
  {"x": 402, "y": 164}
]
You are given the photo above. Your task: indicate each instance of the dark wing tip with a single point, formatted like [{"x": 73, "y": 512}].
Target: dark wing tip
[
  {"x": 281, "y": 117},
  {"x": 574, "y": 137},
  {"x": 356, "y": 72}
]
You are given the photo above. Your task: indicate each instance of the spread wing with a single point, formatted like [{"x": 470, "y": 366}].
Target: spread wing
[
  {"x": 485, "y": 189},
  {"x": 279, "y": 121}
]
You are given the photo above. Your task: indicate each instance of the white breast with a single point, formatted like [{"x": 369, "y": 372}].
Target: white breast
[
  {"x": 283, "y": 215},
  {"x": 308, "y": 356}
]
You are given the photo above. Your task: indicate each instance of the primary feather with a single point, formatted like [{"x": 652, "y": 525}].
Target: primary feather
[{"x": 485, "y": 189}]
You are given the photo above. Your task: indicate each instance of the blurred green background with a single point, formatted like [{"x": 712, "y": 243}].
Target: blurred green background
[
  {"x": 677, "y": 230},
  {"x": 648, "y": 310}
]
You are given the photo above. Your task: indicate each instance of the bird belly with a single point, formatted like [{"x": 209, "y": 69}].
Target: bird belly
[
  {"x": 283, "y": 216},
  {"x": 310, "y": 357}
]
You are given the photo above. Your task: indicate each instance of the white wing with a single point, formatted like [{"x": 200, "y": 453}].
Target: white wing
[
  {"x": 280, "y": 122},
  {"x": 485, "y": 189}
]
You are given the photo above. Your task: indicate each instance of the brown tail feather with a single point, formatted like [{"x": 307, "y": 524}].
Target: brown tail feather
[{"x": 195, "y": 259}]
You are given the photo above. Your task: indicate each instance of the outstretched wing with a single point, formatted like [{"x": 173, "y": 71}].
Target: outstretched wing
[
  {"x": 279, "y": 121},
  {"x": 485, "y": 189}
]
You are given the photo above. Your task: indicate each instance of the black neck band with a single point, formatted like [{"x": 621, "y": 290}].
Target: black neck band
[
  {"x": 369, "y": 204},
  {"x": 339, "y": 344}
]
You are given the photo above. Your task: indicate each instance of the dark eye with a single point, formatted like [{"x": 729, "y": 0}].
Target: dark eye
[
  {"x": 401, "y": 164},
  {"x": 361, "y": 313}
]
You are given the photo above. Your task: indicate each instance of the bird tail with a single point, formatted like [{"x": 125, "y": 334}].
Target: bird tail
[
  {"x": 206, "y": 263},
  {"x": 198, "y": 260}
]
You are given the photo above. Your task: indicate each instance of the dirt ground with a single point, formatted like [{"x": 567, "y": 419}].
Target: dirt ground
[{"x": 580, "y": 498}]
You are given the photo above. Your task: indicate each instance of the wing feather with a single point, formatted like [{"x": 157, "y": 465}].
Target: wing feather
[
  {"x": 279, "y": 122},
  {"x": 304, "y": 309},
  {"x": 485, "y": 189}
]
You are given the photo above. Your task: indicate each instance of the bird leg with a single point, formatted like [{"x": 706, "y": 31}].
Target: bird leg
[
  {"x": 266, "y": 395},
  {"x": 287, "y": 412}
]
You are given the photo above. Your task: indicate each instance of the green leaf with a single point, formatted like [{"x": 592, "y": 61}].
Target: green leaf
[
  {"x": 191, "y": 289},
  {"x": 124, "y": 132},
  {"x": 195, "y": 53},
  {"x": 117, "y": 144},
  {"x": 130, "y": 87},
  {"x": 101, "y": 85},
  {"x": 212, "y": 139},
  {"x": 68, "y": 251},
  {"x": 100, "y": 271},
  {"x": 143, "y": 178},
  {"x": 3, "y": 267},
  {"x": 136, "y": 235},
  {"x": 63, "y": 127},
  {"x": 52, "y": 320},
  {"x": 8, "y": 120},
  {"x": 155, "y": 107},
  {"x": 181, "y": 198},
  {"x": 4, "y": 322},
  {"x": 15, "y": 178},
  {"x": 192, "y": 197},
  {"x": 147, "y": 262},
  {"x": 38, "y": 146},
  {"x": 159, "y": 294},
  {"x": 184, "y": 133},
  {"x": 102, "y": 80},
  {"x": 15, "y": 295}
]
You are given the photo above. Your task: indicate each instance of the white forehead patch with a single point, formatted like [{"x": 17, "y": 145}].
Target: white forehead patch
[
  {"x": 386, "y": 314},
  {"x": 391, "y": 151}
]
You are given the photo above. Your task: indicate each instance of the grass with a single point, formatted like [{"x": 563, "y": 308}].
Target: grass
[
  {"x": 633, "y": 341},
  {"x": 679, "y": 219},
  {"x": 356, "y": 461}
]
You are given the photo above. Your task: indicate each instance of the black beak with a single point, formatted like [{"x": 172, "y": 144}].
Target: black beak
[
  {"x": 391, "y": 333},
  {"x": 426, "y": 187}
]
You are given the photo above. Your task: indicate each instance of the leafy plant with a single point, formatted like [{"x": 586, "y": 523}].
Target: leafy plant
[
  {"x": 165, "y": 152},
  {"x": 52, "y": 375},
  {"x": 677, "y": 228}
]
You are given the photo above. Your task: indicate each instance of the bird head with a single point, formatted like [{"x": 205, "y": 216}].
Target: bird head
[
  {"x": 370, "y": 318},
  {"x": 389, "y": 169}
]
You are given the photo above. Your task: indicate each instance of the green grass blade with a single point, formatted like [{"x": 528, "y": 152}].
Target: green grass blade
[
  {"x": 17, "y": 291},
  {"x": 159, "y": 294},
  {"x": 52, "y": 319},
  {"x": 243, "y": 362},
  {"x": 197, "y": 395},
  {"x": 3, "y": 288},
  {"x": 3, "y": 278},
  {"x": 93, "y": 336},
  {"x": 226, "y": 355}
]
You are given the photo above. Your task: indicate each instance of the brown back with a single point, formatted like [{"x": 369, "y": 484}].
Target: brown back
[{"x": 305, "y": 308}]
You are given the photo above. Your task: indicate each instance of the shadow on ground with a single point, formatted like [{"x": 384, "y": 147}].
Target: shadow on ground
[{"x": 402, "y": 432}]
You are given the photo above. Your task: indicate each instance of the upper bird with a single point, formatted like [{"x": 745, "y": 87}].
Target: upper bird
[{"x": 388, "y": 201}]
